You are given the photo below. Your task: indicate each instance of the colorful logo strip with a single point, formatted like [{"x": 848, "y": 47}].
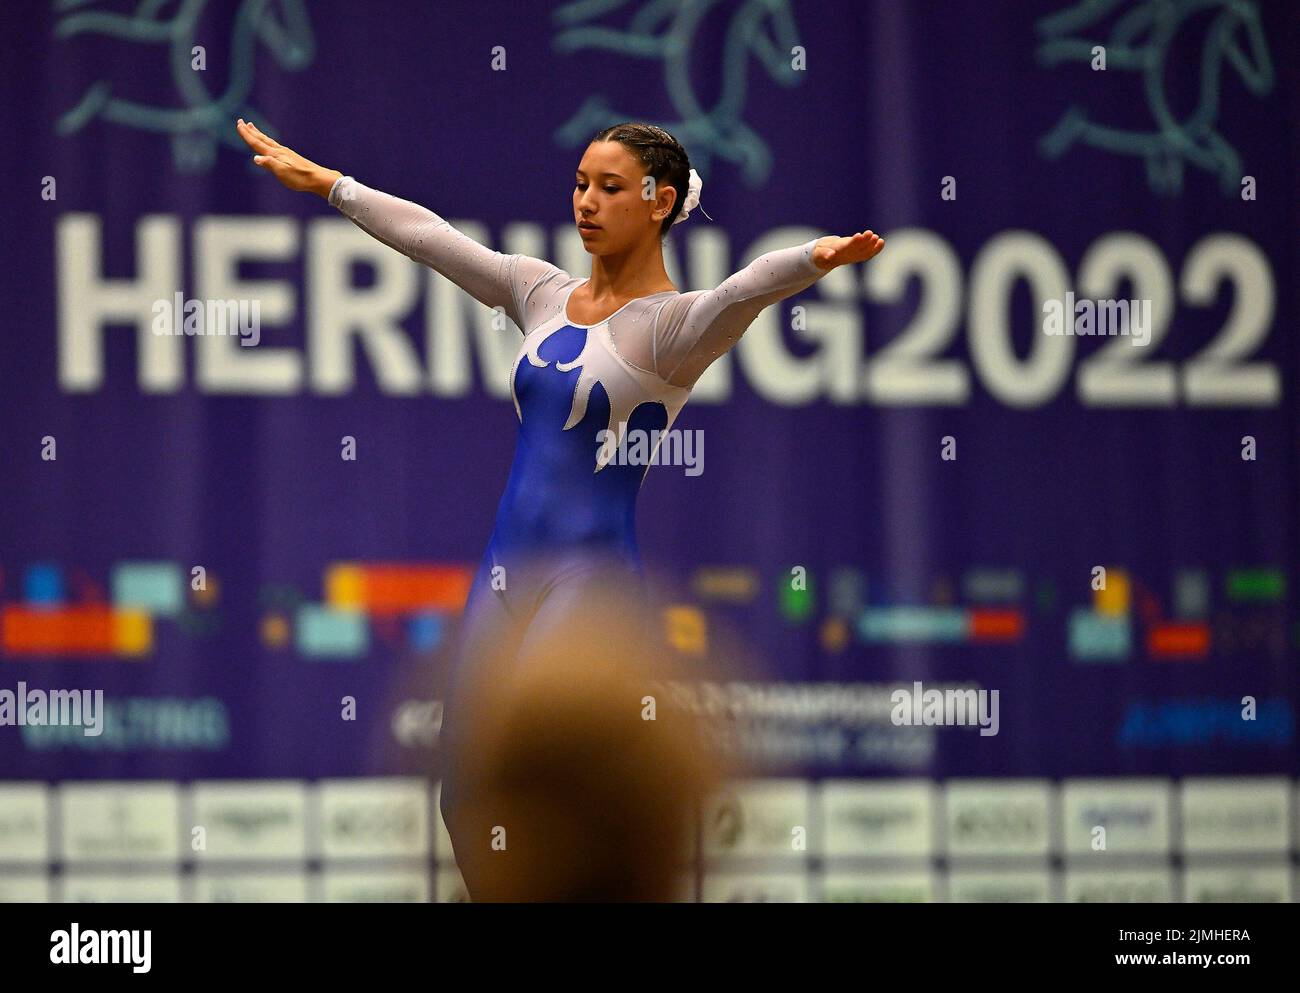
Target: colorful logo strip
[
  {"x": 46, "y": 624},
  {"x": 958, "y": 625},
  {"x": 406, "y": 603},
  {"x": 1105, "y": 633}
]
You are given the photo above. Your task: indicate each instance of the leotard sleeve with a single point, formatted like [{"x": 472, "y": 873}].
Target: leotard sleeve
[
  {"x": 490, "y": 277},
  {"x": 694, "y": 328}
]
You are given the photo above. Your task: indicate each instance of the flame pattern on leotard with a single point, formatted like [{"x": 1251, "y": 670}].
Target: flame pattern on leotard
[{"x": 624, "y": 392}]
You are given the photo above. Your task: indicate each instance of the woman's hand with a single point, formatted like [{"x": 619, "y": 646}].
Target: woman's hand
[
  {"x": 833, "y": 250},
  {"x": 285, "y": 164}
]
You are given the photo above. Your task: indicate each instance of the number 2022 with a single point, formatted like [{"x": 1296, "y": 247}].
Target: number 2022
[{"x": 1120, "y": 374}]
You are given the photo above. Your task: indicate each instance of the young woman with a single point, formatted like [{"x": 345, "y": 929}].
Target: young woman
[{"x": 602, "y": 356}]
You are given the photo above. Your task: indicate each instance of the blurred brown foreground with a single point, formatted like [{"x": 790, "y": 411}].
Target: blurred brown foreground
[{"x": 577, "y": 781}]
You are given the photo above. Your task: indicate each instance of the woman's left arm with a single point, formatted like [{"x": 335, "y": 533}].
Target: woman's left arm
[{"x": 697, "y": 327}]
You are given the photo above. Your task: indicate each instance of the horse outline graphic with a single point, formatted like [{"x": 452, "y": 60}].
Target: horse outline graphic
[
  {"x": 1140, "y": 41},
  {"x": 204, "y": 120},
  {"x": 666, "y": 30}
]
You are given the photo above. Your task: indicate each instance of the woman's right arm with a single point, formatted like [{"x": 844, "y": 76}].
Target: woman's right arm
[
  {"x": 491, "y": 277},
  {"x": 422, "y": 235}
]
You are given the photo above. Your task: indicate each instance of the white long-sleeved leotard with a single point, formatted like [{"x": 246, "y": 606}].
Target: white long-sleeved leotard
[{"x": 631, "y": 371}]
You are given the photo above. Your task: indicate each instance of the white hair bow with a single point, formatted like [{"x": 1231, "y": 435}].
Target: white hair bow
[{"x": 693, "y": 186}]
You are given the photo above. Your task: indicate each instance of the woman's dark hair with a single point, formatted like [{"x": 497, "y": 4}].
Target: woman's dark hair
[{"x": 662, "y": 156}]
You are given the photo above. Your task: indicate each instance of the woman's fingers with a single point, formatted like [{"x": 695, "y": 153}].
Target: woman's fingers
[
  {"x": 861, "y": 246},
  {"x": 873, "y": 242},
  {"x": 286, "y": 165},
  {"x": 266, "y": 138},
  {"x": 251, "y": 138},
  {"x": 257, "y": 141},
  {"x": 256, "y": 133}
]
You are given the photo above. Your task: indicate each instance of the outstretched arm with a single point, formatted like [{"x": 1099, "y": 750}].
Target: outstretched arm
[
  {"x": 694, "y": 329},
  {"x": 491, "y": 277}
]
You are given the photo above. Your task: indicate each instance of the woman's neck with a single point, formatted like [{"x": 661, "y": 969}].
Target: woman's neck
[{"x": 625, "y": 276}]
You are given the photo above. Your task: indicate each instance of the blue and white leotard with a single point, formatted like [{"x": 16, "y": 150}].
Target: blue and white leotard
[{"x": 566, "y": 521}]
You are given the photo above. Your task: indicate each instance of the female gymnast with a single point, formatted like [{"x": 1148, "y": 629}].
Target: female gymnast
[{"x": 616, "y": 352}]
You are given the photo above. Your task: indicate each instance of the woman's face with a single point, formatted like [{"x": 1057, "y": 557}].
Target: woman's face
[{"x": 608, "y": 206}]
